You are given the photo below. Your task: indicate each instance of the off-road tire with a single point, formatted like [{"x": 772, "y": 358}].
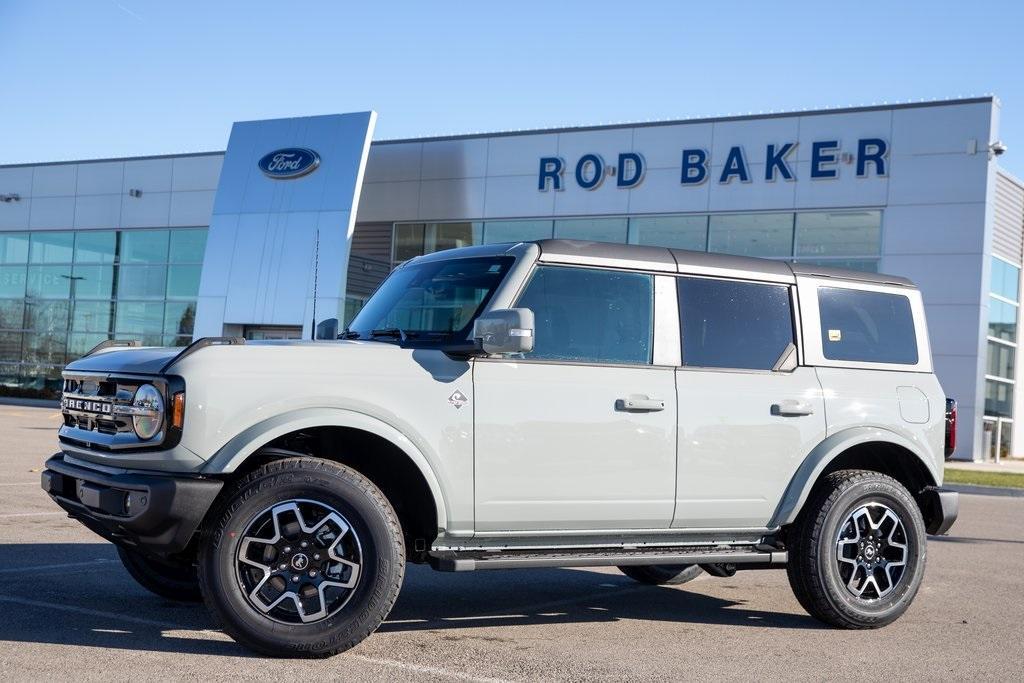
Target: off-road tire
[
  {"x": 813, "y": 567},
  {"x": 662, "y": 574},
  {"x": 362, "y": 505},
  {"x": 173, "y": 581}
]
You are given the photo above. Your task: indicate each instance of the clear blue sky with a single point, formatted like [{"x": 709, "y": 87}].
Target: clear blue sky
[{"x": 100, "y": 78}]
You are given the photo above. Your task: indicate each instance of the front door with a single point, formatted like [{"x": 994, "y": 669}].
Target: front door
[
  {"x": 580, "y": 433},
  {"x": 748, "y": 414}
]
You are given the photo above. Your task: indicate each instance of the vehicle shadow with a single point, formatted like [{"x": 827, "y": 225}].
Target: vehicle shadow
[{"x": 78, "y": 594}]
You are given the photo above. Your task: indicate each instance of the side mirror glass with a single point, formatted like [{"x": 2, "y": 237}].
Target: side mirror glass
[{"x": 505, "y": 330}]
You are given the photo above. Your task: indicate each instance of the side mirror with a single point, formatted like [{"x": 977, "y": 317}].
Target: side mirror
[{"x": 505, "y": 330}]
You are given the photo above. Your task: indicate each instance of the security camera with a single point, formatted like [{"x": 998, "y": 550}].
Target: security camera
[{"x": 998, "y": 148}]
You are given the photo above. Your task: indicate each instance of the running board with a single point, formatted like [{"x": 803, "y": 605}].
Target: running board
[{"x": 449, "y": 561}]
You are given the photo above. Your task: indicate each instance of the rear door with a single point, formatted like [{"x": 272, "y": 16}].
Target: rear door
[
  {"x": 580, "y": 433},
  {"x": 748, "y": 412}
]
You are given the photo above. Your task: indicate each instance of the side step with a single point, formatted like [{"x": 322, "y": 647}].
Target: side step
[{"x": 467, "y": 561}]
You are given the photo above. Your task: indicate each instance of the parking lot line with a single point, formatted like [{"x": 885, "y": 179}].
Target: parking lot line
[
  {"x": 114, "y": 616},
  {"x": 419, "y": 668},
  {"x": 32, "y": 514},
  {"x": 44, "y": 567}
]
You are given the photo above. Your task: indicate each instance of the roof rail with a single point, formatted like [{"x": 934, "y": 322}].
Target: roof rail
[
  {"x": 202, "y": 343},
  {"x": 109, "y": 343}
]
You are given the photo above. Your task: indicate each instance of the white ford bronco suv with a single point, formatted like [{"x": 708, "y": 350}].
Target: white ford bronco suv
[{"x": 542, "y": 404}]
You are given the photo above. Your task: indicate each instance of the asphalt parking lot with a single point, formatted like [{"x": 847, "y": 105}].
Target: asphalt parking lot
[{"x": 70, "y": 611}]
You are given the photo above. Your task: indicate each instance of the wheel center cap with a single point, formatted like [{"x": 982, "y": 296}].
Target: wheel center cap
[
  {"x": 869, "y": 552},
  {"x": 300, "y": 561}
]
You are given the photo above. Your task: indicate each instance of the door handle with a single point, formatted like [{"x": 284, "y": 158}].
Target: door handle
[
  {"x": 792, "y": 408},
  {"x": 638, "y": 403}
]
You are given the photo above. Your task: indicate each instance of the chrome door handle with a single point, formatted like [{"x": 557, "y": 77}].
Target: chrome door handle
[
  {"x": 638, "y": 403},
  {"x": 792, "y": 408}
]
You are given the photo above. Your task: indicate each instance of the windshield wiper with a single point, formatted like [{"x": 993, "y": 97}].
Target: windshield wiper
[
  {"x": 394, "y": 332},
  {"x": 348, "y": 334}
]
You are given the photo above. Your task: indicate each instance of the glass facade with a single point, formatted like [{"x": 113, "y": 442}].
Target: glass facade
[
  {"x": 846, "y": 239},
  {"x": 1000, "y": 382},
  {"x": 63, "y": 292}
]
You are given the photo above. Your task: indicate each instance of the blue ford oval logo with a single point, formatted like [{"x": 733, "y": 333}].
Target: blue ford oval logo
[{"x": 291, "y": 162}]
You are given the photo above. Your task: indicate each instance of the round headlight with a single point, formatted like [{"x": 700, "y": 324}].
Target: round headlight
[{"x": 148, "y": 412}]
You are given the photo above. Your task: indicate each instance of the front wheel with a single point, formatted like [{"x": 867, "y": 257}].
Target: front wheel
[
  {"x": 662, "y": 575},
  {"x": 857, "y": 551},
  {"x": 305, "y": 558}
]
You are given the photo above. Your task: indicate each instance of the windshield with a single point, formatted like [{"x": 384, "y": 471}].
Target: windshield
[{"x": 437, "y": 300}]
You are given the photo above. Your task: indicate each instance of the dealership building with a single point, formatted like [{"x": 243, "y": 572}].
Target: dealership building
[{"x": 287, "y": 232}]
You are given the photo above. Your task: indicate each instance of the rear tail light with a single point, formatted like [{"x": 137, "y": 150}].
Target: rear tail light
[{"x": 950, "y": 426}]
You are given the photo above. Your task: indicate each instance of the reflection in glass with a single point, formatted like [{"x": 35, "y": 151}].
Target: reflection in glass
[
  {"x": 183, "y": 282},
  {"x": 10, "y": 346},
  {"x": 765, "y": 234},
  {"x": 137, "y": 318},
  {"x": 12, "y": 314},
  {"x": 187, "y": 246},
  {"x": 46, "y": 316},
  {"x": 141, "y": 282},
  {"x": 1002, "y": 320},
  {"x": 52, "y": 247},
  {"x": 12, "y": 282},
  {"x": 81, "y": 342},
  {"x": 500, "y": 232},
  {"x": 596, "y": 229},
  {"x": 838, "y": 233},
  {"x": 998, "y": 398},
  {"x": 441, "y": 236},
  {"x": 49, "y": 282},
  {"x": 408, "y": 241},
  {"x": 92, "y": 316},
  {"x": 46, "y": 348},
  {"x": 1005, "y": 279},
  {"x": 677, "y": 232},
  {"x": 13, "y": 247},
  {"x": 144, "y": 246},
  {"x": 95, "y": 246},
  {"x": 1000, "y": 360},
  {"x": 180, "y": 317},
  {"x": 92, "y": 282}
]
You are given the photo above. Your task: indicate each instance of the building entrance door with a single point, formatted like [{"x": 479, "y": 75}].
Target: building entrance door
[
  {"x": 263, "y": 332},
  {"x": 996, "y": 438}
]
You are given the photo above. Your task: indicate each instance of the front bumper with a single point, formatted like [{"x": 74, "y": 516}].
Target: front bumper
[
  {"x": 940, "y": 507},
  {"x": 157, "y": 512}
]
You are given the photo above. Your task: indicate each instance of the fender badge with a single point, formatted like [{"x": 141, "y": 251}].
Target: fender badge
[{"x": 458, "y": 399}]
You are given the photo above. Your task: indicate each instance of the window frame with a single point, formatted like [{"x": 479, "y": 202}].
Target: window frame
[
  {"x": 660, "y": 356},
  {"x": 811, "y": 321},
  {"x": 794, "y": 314}
]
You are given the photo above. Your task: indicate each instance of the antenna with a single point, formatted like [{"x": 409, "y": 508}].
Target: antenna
[{"x": 316, "y": 272}]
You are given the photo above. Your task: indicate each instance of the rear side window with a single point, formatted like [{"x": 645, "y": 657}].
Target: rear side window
[
  {"x": 873, "y": 327},
  {"x": 594, "y": 316},
  {"x": 727, "y": 324}
]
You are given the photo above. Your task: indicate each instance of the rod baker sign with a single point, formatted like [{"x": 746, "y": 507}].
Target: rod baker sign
[{"x": 869, "y": 158}]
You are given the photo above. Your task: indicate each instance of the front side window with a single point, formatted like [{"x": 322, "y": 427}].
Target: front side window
[
  {"x": 729, "y": 324},
  {"x": 589, "y": 315},
  {"x": 437, "y": 300},
  {"x": 874, "y": 327}
]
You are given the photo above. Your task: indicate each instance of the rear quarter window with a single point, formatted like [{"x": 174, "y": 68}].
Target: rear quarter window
[{"x": 872, "y": 327}]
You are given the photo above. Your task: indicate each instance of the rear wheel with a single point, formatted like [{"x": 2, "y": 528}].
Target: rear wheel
[
  {"x": 857, "y": 552},
  {"x": 306, "y": 558},
  {"x": 662, "y": 574},
  {"x": 171, "y": 580}
]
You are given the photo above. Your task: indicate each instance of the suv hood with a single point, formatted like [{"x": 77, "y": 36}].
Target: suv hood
[{"x": 133, "y": 361}]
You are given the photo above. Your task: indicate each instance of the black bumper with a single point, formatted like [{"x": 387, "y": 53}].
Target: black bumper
[
  {"x": 940, "y": 507},
  {"x": 157, "y": 512}
]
